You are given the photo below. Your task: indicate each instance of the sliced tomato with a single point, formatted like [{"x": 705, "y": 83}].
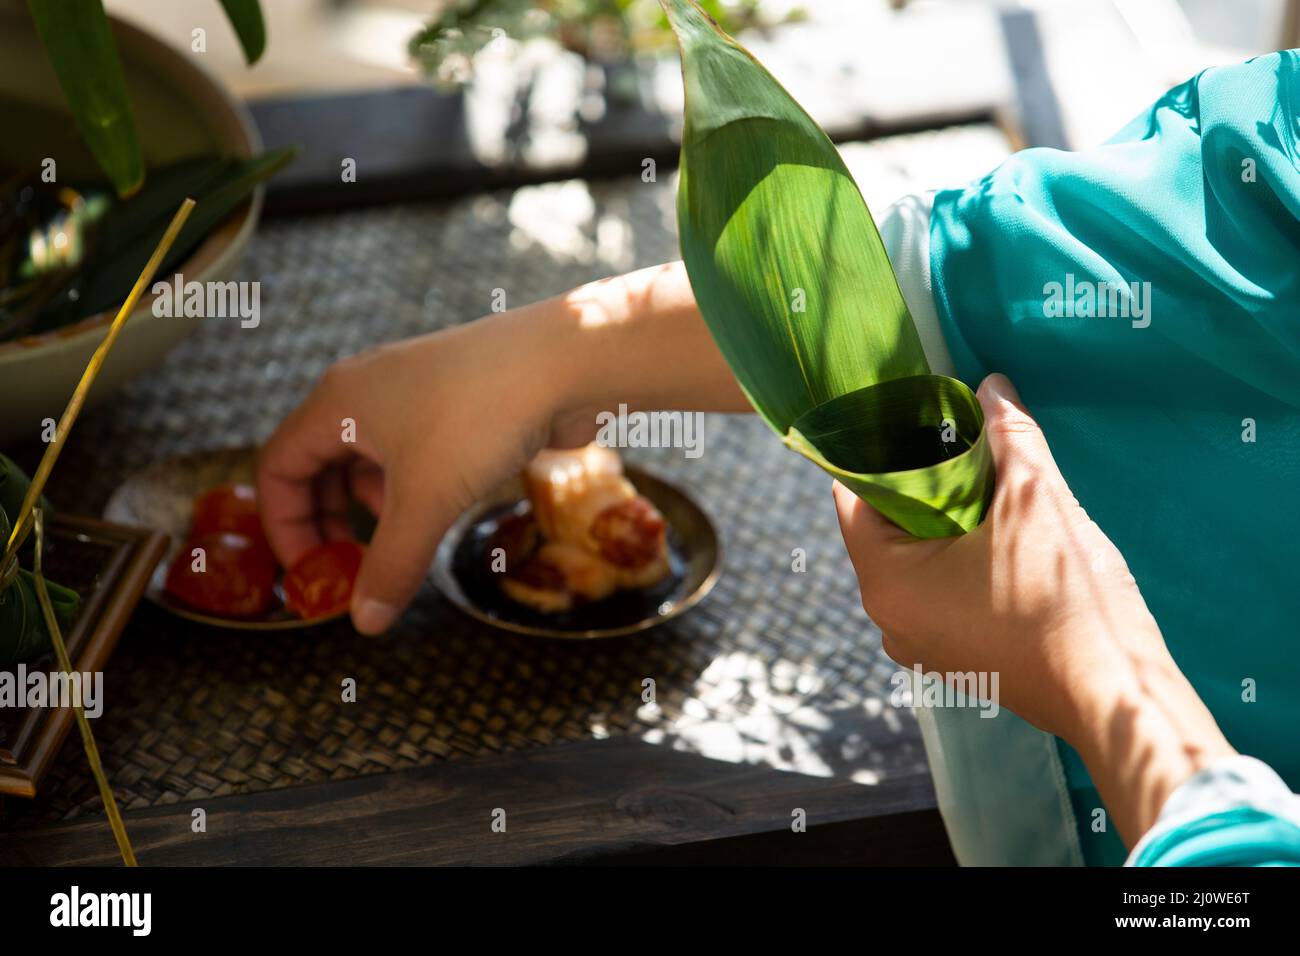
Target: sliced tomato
[
  {"x": 231, "y": 509},
  {"x": 320, "y": 582},
  {"x": 236, "y": 580}
]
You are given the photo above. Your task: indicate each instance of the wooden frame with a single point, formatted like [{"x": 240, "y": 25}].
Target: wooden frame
[{"x": 30, "y": 738}]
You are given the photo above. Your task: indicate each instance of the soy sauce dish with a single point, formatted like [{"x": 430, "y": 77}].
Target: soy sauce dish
[{"x": 463, "y": 568}]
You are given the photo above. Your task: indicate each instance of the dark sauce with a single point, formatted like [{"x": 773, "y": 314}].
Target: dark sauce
[
  {"x": 471, "y": 567},
  {"x": 922, "y": 447}
]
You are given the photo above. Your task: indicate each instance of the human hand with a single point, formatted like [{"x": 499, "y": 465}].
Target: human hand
[
  {"x": 439, "y": 421},
  {"x": 1038, "y": 594}
]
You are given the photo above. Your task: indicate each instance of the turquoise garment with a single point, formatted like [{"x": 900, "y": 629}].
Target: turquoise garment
[
  {"x": 1242, "y": 836},
  {"x": 1150, "y": 420}
]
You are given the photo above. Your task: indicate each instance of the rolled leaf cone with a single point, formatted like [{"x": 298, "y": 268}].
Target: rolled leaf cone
[{"x": 792, "y": 278}]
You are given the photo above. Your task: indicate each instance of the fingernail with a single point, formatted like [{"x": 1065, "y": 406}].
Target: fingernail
[
  {"x": 373, "y": 617},
  {"x": 1001, "y": 386}
]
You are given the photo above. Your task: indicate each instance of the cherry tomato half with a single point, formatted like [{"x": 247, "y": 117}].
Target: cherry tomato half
[
  {"x": 320, "y": 582},
  {"x": 231, "y": 509},
  {"x": 236, "y": 577}
]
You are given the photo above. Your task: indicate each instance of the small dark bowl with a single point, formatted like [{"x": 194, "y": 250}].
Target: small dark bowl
[{"x": 459, "y": 570}]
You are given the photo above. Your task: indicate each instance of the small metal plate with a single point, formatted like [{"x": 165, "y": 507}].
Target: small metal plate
[
  {"x": 161, "y": 497},
  {"x": 696, "y": 560}
]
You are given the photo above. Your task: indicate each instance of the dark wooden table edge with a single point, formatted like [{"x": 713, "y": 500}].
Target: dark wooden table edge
[
  {"x": 618, "y": 801},
  {"x": 427, "y": 156}
]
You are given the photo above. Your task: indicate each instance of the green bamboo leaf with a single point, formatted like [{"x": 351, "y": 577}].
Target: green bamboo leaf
[
  {"x": 24, "y": 635},
  {"x": 246, "y": 17},
  {"x": 131, "y": 229},
  {"x": 13, "y": 488},
  {"x": 79, "y": 43},
  {"x": 792, "y": 278},
  {"x": 886, "y": 444}
]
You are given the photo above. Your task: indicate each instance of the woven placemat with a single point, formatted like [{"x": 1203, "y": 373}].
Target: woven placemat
[{"x": 777, "y": 666}]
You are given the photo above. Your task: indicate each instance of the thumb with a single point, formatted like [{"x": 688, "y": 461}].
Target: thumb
[
  {"x": 1015, "y": 439},
  {"x": 871, "y": 539},
  {"x": 411, "y": 523}
]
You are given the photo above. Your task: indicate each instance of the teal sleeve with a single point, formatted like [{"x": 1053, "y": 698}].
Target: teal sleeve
[
  {"x": 1145, "y": 298},
  {"x": 1242, "y": 836},
  {"x": 1235, "y": 812}
]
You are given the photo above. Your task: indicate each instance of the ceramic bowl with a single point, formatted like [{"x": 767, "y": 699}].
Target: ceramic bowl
[{"x": 181, "y": 110}]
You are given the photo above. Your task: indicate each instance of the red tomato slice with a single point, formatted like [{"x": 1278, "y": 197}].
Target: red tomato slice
[
  {"x": 237, "y": 580},
  {"x": 320, "y": 582},
  {"x": 230, "y": 509}
]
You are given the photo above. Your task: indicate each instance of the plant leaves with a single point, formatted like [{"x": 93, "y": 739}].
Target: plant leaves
[
  {"x": 30, "y": 609},
  {"x": 246, "y": 17},
  {"x": 14, "y": 485},
  {"x": 792, "y": 278},
  {"x": 79, "y": 43},
  {"x": 883, "y": 443},
  {"x": 126, "y": 235},
  {"x": 13, "y": 488},
  {"x": 23, "y": 634}
]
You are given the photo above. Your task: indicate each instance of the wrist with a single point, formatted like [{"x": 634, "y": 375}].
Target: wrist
[
  {"x": 1142, "y": 734},
  {"x": 543, "y": 356}
]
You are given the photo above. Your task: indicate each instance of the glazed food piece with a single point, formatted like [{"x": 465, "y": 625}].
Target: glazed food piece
[
  {"x": 559, "y": 576},
  {"x": 569, "y": 488},
  {"x": 588, "y": 534},
  {"x": 234, "y": 576},
  {"x": 632, "y": 536},
  {"x": 515, "y": 539},
  {"x": 320, "y": 583}
]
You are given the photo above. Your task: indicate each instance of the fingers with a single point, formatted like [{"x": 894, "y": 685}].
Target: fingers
[
  {"x": 332, "y": 501},
  {"x": 1016, "y": 440},
  {"x": 305, "y": 444},
  {"x": 366, "y": 483},
  {"x": 411, "y": 522},
  {"x": 868, "y": 535}
]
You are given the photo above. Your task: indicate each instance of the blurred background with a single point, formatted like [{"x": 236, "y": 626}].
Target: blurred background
[{"x": 529, "y": 90}]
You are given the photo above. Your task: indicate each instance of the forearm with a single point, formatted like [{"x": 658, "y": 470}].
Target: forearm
[
  {"x": 1142, "y": 735},
  {"x": 636, "y": 339}
]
